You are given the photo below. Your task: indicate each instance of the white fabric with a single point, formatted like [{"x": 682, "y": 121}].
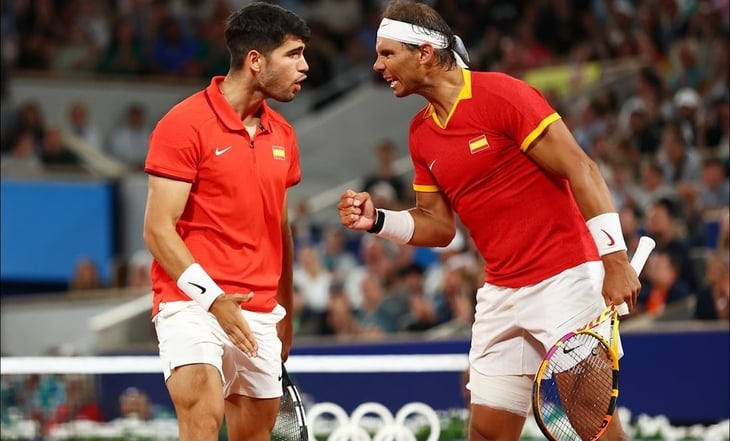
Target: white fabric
[
  {"x": 411, "y": 34},
  {"x": 514, "y": 327},
  {"x": 606, "y": 231},
  {"x": 504, "y": 392},
  {"x": 189, "y": 335},
  {"x": 398, "y": 226},
  {"x": 198, "y": 285}
]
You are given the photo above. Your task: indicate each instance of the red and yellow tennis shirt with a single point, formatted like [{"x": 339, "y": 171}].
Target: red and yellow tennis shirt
[
  {"x": 232, "y": 220},
  {"x": 523, "y": 220}
]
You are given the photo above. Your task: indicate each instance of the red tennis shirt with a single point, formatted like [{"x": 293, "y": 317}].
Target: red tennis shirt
[
  {"x": 232, "y": 220},
  {"x": 523, "y": 220}
]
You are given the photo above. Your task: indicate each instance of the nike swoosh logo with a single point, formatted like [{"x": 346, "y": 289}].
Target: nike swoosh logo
[
  {"x": 430, "y": 166},
  {"x": 201, "y": 288},
  {"x": 219, "y": 152},
  {"x": 611, "y": 241},
  {"x": 568, "y": 351}
]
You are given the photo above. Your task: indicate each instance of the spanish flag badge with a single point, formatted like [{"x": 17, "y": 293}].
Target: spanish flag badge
[
  {"x": 278, "y": 151},
  {"x": 478, "y": 143}
]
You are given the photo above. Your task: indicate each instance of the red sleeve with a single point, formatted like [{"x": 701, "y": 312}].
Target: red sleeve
[
  {"x": 295, "y": 172},
  {"x": 526, "y": 113},
  {"x": 174, "y": 150},
  {"x": 423, "y": 180}
]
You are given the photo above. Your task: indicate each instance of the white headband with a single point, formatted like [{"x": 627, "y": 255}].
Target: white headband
[{"x": 418, "y": 35}]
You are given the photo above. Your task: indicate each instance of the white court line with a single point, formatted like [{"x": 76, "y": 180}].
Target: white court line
[{"x": 295, "y": 364}]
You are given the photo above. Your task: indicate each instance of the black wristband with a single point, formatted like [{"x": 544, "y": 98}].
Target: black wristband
[{"x": 378, "y": 223}]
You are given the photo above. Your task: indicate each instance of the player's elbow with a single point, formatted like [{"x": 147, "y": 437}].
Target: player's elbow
[
  {"x": 152, "y": 234},
  {"x": 445, "y": 236}
]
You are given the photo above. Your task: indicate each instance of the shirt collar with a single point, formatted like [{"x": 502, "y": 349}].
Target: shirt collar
[
  {"x": 464, "y": 94},
  {"x": 225, "y": 112}
]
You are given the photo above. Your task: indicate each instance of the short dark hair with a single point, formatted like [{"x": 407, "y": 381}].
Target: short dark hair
[
  {"x": 422, "y": 15},
  {"x": 262, "y": 27}
]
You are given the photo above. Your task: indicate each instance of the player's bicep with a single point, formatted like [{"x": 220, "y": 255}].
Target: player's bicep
[
  {"x": 166, "y": 200},
  {"x": 557, "y": 151}
]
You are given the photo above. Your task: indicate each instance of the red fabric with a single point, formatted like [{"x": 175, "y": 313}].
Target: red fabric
[
  {"x": 232, "y": 222},
  {"x": 523, "y": 220}
]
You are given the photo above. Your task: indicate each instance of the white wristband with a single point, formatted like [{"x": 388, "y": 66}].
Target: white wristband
[
  {"x": 606, "y": 231},
  {"x": 398, "y": 226},
  {"x": 198, "y": 285}
]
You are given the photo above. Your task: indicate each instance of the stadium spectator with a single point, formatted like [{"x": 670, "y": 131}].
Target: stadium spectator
[
  {"x": 383, "y": 183},
  {"x": 55, "y": 153},
  {"x": 79, "y": 403},
  {"x": 340, "y": 320},
  {"x": 135, "y": 403},
  {"x": 377, "y": 257},
  {"x": 662, "y": 285},
  {"x": 336, "y": 256},
  {"x": 80, "y": 125},
  {"x": 654, "y": 186},
  {"x": 372, "y": 318},
  {"x": 22, "y": 159},
  {"x": 174, "y": 52},
  {"x": 713, "y": 298},
  {"x": 688, "y": 113},
  {"x": 420, "y": 313},
  {"x": 138, "y": 270},
  {"x": 455, "y": 304},
  {"x": 125, "y": 55},
  {"x": 631, "y": 226},
  {"x": 30, "y": 118},
  {"x": 129, "y": 141},
  {"x": 75, "y": 53},
  {"x": 664, "y": 226},
  {"x": 85, "y": 277},
  {"x": 715, "y": 127},
  {"x": 313, "y": 279}
]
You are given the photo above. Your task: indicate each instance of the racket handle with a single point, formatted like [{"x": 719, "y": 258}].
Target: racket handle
[{"x": 643, "y": 249}]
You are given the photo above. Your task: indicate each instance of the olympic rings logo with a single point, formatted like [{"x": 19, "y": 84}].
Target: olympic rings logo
[{"x": 389, "y": 427}]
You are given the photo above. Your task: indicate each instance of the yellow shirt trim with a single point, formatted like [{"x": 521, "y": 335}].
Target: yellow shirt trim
[
  {"x": 538, "y": 130},
  {"x": 464, "y": 94},
  {"x": 426, "y": 188}
]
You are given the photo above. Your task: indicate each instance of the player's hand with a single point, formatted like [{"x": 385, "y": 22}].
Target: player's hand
[
  {"x": 227, "y": 310},
  {"x": 620, "y": 283},
  {"x": 357, "y": 211}
]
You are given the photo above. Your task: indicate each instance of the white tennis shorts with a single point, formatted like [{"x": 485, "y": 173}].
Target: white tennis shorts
[
  {"x": 188, "y": 334},
  {"x": 514, "y": 328}
]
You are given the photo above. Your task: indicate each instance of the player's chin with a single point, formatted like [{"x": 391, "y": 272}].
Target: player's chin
[
  {"x": 400, "y": 93},
  {"x": 284, "y": 97}
]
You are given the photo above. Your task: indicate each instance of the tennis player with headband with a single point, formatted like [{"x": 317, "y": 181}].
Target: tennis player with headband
[{"x": 490, "y": 149}]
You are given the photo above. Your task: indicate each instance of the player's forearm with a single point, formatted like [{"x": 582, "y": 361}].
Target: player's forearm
[
  {"x": 168, "y": 249},
  {"x": 590, "y": 191},
  {"x": 431, "y": 230},
  {"x": 286, "y": 280}
]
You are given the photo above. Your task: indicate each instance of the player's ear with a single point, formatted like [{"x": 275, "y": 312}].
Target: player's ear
[
  {"x": 255, "y": 60},
  {"x": 425, "y": 53}
]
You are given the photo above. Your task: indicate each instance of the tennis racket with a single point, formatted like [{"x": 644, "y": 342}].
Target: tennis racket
[
  {"x": 576, "y": 387},
  {"x": 291, "y": 423}
]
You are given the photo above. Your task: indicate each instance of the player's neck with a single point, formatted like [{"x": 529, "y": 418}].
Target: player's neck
[
  {"x": 441, "y": 89},
  {"x": 245, "y": 100}
]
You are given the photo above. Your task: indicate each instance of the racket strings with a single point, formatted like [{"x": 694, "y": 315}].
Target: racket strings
[
  {"x": 576, "y": 389},
  {"x": 287, "y": 426}
]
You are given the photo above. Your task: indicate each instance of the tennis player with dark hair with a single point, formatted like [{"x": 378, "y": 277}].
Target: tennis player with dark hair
[
  {"x": 490, "y": 149},
  {"x": 219, "y": 166}
]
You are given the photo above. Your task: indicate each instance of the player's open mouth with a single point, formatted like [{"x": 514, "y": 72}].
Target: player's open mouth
[{"x": 393, "y": 84}]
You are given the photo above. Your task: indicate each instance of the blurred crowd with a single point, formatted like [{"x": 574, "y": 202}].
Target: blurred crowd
[{"x": 662, "y": 144}]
